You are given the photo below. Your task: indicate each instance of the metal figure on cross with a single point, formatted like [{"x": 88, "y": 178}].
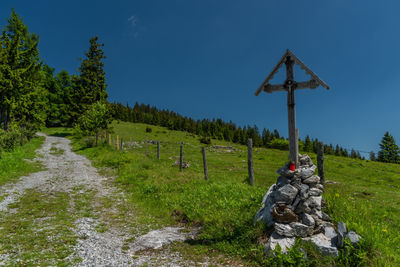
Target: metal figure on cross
[{"x": 290, "y": 85}]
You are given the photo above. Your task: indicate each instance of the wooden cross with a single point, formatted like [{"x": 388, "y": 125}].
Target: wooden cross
[{"x": 290, "y": 85}]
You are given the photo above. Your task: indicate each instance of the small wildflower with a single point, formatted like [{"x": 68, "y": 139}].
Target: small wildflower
[
  {"x": 337, "y": 195},
  {"x": 384, "y": 230}
]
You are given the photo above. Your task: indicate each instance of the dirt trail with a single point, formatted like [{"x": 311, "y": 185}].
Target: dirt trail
[{"x": 115, "y": 244}]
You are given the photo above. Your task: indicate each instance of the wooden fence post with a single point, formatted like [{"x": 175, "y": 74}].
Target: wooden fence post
[
  {"x": 158, "y": 150},
  {"x": 203, "y": 150},
  {"x": 109, "y": 139},
  {"x": 146, "y": 146},
  {"x": 117, "y": 143},
  {"x": 181, "y": 158},
  {"x": 250, "y": 161},
  {"x": 320, "y": 162}
]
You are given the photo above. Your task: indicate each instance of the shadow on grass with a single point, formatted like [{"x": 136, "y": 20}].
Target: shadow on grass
[{"x": 61, "y": 134}]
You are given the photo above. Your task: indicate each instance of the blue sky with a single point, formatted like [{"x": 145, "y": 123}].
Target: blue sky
[{"x": 206, "y": 58}]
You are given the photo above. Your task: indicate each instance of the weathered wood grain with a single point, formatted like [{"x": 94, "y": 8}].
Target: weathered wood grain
[
  {"x": 320, "y": 161},
  {"x": 250, "y": 161},
  {"x": 158, "y": 150},
  {"x": 203, "y": 150},
  {"x": 181, "y": 158}
]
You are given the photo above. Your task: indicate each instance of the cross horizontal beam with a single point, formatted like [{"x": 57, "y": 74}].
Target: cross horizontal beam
[
  {"x": 314, "y": 82},
  {"x": 270, "y": 88}
]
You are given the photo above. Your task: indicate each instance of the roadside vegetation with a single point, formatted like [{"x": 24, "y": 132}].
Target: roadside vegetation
[
  {"x": 19, "y": 161},
  {"x": 363, "y": 194}
]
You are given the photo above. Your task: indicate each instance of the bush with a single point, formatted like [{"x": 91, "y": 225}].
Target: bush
[
  {"x": 95, "y": 119},
  {"x": 205, "y": 140},
  {"x": 279, "y": 144},
  {"x": 148, "y": 129},
  {"x": 11, "y": 138}
]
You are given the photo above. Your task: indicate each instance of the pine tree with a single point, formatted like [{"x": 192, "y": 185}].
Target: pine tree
[
  {"x": 22, "y": 96},
  {"x": 307, "y": 144},
  {"x": 65, "y": 90},
  {"x": 337, "y": 151},
  {"x": 372, "y": 156},
  {"x": 276, "y": 134},
  {"x": 353, "y": 153},
  {"x": 389, "y": 150},
  {"x": 90, "y": 85},
  {"x": 55, "y": 97}
]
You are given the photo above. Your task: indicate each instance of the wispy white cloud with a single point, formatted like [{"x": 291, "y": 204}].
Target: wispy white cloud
[{"x": 133, "y": 20}]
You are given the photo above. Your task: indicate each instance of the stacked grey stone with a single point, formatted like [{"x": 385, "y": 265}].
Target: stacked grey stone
[{"x": 293, "y": 206}]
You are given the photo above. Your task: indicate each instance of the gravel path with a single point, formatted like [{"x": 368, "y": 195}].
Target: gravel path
[{"x": 66, "y": 171}]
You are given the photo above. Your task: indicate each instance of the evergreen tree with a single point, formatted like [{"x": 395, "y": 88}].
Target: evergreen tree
[
  {"x": 337, "y": 151},
  {"x": 22, "y": 96},
  {"x": 90, "y": 85},
  {"x": 344, "y": 152},
  {"x": 65, "y": 89},
  {"x": 276, "y": 134},
  {"x": 353, "y": 154},
  {"x": 307, "y": 144},
  {"x": 55, "y": 98},
  {"x": 389, "y": 150},
  {"x": 372, "y": 156},
  {"x": 265, "y": 137}
]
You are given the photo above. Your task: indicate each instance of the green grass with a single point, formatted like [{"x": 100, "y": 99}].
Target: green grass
[
  {"x": 366, "y": 195},
  {"x": 18, "y": 162},
  {"x": 56, "y": 151},
  {"x": 38, "y": 231}
]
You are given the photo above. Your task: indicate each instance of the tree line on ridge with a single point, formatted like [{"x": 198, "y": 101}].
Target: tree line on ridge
[{"x": 32, "y": 95}]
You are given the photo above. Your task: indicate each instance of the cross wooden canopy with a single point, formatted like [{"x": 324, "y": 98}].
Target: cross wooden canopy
[{"x": 290, "y": 85}]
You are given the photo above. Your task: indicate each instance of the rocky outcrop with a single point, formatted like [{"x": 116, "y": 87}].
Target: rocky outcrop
[{"x": 292, "y": 206}]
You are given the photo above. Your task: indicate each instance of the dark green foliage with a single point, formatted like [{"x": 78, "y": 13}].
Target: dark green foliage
[
  {"x": 354, "y": 255},
  {"x": 337, "y": 151},
  {"x": 10, "y": 138},
  {"x": 148, "y": 130},
  {"x": 205, "y": 140},
  {"x": 307, "y": 144},
  {"x": 23, "y": 99},
  {"x": 266, "y": 137},
  {"x": 389, "y": 150},
  {"x": 90, "y": 85},
  {"x": 279, "y": 144},
  {"x": 353, "y": 154},
  {"x": 372, "y": 156},
  {"x": 59, "y": 89}
]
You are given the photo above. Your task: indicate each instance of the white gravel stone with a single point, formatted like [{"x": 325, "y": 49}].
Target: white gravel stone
[{"x": 274, "y": 240}]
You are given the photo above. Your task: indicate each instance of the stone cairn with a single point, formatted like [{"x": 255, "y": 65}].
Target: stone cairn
[{"x": 292, "y": 207}]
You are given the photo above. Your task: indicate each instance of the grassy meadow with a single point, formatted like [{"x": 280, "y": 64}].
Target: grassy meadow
[{"x": 364, "y": 194}]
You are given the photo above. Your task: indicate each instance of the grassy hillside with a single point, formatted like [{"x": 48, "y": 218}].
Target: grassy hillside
[{"x": 363, "y": 194}]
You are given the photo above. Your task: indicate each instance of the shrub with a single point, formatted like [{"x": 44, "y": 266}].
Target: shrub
[
  {"x": 148, "y": 129},
  {"x": 205, "y": 140},
  {"x": 10, "y": 138},
  {"x": 279, "y": 144},
  {"x": 96, "y": 118}
]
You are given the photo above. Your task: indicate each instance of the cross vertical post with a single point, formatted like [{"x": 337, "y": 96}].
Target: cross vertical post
[{"x": 293, "y": 142}]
